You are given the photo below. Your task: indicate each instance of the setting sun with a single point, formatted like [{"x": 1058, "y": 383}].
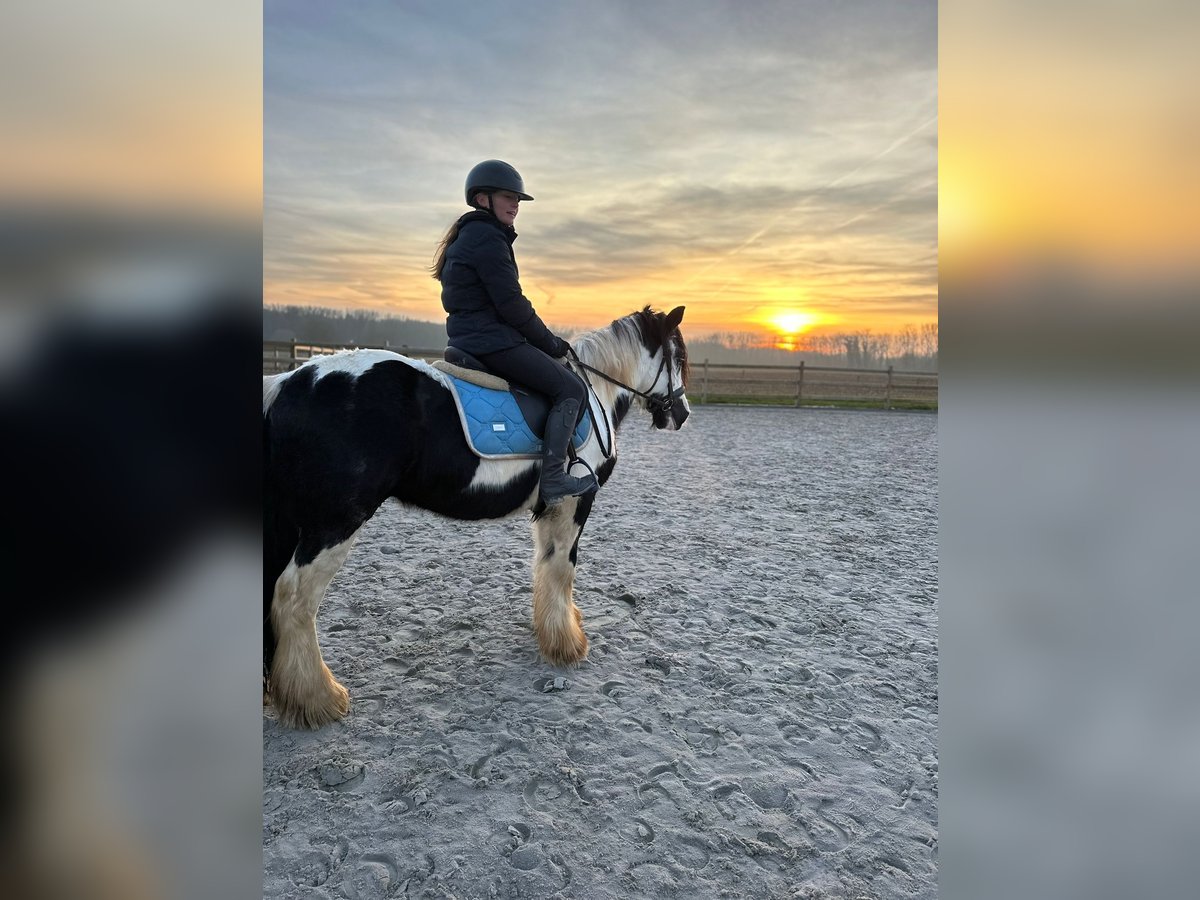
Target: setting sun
[
  {"x": 786, "y": 325},
  {"x": 793, "y": 322}
]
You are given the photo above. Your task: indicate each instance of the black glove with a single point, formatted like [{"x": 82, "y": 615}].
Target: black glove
[{"x": 562, "y": 349}]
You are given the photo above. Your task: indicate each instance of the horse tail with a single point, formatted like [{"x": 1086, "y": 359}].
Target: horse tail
[{"x": 280, "y": 537}]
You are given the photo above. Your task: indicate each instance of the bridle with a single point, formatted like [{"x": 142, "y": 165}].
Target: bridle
[
  {"x": 659, "y": 403},
  {"x": 654, "y": 402}
]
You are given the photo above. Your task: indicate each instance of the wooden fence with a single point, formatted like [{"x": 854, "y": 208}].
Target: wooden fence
[
  {"x": 805, "y": 385},
  {"x": 799, "y": 385}
]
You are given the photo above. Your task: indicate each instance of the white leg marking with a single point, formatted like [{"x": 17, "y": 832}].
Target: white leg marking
[
  {"x": 303, "y": 690},
  {"x": 556, "y": 618}
]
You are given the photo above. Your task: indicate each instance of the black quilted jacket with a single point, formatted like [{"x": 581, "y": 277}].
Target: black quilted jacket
[{"x": 485, "y": 309}]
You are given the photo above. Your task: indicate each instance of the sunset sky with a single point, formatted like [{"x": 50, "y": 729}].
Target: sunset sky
[{"x": 772, "y": 165}]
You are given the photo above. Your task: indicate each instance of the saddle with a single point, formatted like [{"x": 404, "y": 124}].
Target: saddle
[{"x": 500, "y": 419}]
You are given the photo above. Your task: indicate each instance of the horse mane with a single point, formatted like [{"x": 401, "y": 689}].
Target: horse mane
[
  {"x": 615, "y": 349},
  {"x": 612, "y": 349}
]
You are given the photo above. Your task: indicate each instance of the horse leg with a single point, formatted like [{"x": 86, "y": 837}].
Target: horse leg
[
  {"x": 302, "y": 689},
  {"x": 556, "y": 619}
]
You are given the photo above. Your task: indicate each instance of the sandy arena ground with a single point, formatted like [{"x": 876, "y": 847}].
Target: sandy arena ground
[{"x": 757, "y": 716}]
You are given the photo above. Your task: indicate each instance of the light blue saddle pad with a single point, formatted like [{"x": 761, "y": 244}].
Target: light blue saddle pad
[{"x": 495, "y": 427}]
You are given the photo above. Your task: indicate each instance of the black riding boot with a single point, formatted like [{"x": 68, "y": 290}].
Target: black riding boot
[{"x": 557, "y": 485}]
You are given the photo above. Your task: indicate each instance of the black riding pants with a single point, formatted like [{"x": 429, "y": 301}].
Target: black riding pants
[{"x": 529, "y": 366}]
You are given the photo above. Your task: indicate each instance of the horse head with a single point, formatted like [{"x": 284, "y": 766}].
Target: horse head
[{"x": 666, "y": 399}]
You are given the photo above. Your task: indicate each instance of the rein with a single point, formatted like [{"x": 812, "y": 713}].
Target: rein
[{"x": 653, "y": 402}]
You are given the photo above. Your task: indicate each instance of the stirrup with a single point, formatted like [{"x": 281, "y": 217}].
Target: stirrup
[{"x": 581, "y": 487}]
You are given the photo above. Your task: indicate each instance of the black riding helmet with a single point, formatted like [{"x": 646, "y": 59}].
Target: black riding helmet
[{"x": 494, "y": 175}]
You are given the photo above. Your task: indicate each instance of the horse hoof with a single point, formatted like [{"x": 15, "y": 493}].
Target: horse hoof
[
  {"x": 568, "y": 651},
  {"x": 313, "y": 714}
]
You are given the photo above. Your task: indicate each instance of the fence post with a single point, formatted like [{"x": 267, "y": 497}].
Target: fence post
[
  {"x": 292, "y": 358},
  {"x": 704, "y": 383},
  {"x": 800, "y": 384},
  {"x": 887, "y": 399}
]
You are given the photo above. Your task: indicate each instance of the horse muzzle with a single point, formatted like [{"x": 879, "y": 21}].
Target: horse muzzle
[
  {"x": 672, "y": 417},
  {"x": 680, "y": 410}
]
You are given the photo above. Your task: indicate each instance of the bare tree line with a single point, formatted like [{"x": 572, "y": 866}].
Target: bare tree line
[
  {"x": 913, "y": 347},
  {"x": 321, "y": 325}
]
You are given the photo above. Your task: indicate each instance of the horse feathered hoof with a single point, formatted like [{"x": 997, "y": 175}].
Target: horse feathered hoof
[
  {"x": 314, "y": 711},
  {"x": 568, "y": 647}
]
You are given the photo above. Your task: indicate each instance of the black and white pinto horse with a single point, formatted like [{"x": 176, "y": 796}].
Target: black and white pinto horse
[{"x": 343, "y": 433}]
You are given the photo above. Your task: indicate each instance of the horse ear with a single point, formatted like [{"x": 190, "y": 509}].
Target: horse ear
[{"x": 674, "y": 317}]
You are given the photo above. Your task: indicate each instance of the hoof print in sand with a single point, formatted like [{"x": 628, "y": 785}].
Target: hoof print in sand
[
  {"x": 525, "y": 858},
  {"x": 341, "y": 774},
  {"x": 661, "y": 663},
  {"x": 373, "y": 878}
]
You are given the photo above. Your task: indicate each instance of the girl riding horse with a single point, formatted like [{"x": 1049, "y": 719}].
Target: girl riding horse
[{"x": 489, "y": 317}]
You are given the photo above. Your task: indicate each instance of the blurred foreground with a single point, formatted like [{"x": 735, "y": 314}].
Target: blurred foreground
[
  {"x": 1070, "y": 427},
  {"x": 132, "y": 552},
  {"x": 130, "y": 286}
]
